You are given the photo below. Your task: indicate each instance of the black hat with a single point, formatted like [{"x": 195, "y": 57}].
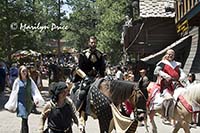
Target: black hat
[{"x": 56, "y": 88}]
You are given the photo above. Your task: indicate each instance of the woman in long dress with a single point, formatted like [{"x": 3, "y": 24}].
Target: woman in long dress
[{"x": 23, "y": 96}]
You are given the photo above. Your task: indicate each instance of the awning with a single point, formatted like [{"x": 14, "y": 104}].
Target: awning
[{"x": 154, "y": 58}]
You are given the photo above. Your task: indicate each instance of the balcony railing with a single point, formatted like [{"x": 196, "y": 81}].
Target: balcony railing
[{"x": 182, "y": 7}]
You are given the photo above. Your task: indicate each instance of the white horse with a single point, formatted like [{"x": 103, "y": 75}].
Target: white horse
[{"x": 187, "y": 104}]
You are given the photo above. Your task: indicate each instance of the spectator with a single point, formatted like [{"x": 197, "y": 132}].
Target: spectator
[
  {"x": 13, "y": 73},
  {"x": 119, "y": 73},
  {"x": 131, "y": 76},
  {"x": 143, "y": 82},
  {"x": 191, "y": 78},
  {"x": 24, "y": 93},
  {"x": 2, "y": 78}
]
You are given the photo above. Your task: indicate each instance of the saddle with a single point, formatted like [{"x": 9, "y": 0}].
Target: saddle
[
  {"x": 80, "y": 92},
  {"x": 158, "y": 100}
]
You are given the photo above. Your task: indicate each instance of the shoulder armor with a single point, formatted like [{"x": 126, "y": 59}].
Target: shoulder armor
[
  {"x": 86, "y": 50},
  {"x": 99, "y": 53},
  {"x": 86, "y": 53}
]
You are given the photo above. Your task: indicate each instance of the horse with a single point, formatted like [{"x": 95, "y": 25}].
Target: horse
[
  {"x": 187, "y": 104},
  {"x": 104, "y": 92}
]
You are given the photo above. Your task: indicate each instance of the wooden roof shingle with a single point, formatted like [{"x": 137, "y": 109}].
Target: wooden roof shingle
[{"x": 156, "y": 8}]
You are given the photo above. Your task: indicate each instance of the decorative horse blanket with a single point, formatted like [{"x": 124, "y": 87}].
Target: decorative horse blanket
[
  {"x": 101, "y": 106},
  {"x": 122, "y": 123},
  {"x": 156, "y": 99}
]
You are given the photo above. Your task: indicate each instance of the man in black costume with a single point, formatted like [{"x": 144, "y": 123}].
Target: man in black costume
[
  {"x": 92, "y": 63},
  {"x": 91, "y": 60}
]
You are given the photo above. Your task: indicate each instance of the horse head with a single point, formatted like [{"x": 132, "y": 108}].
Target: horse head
[
  {"x": 138, "y": 101},
  {"x": 120, "y": 91},
  {"x": 193, "y": 93}
]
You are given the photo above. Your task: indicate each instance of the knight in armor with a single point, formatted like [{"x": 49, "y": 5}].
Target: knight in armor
[
  {"x": 91, "y": 60},
  {"x": 91, "y": 64},
  {"x": 169, "y": 75}
]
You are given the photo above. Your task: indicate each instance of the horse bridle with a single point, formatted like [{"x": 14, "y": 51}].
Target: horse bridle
[{"x": 134, "y": 94}]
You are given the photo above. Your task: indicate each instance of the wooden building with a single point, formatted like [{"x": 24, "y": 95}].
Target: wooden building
[
  {"x": 156, "y": 30},
  {"x": 188, "y": 22}
]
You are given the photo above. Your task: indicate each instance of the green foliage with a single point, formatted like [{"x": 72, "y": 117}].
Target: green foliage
[
  {"x": 102, "y": 18},
  {"x": 31, "y": 13},
  {"x": 82, "y": 22},
  {"x": 110, "y": 27}
]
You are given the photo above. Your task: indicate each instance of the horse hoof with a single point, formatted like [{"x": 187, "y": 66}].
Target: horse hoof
[
  {"x": 166, "y": 122},
  {"x": 154, "y": 131},
  {"x": 82, "y": 129}
]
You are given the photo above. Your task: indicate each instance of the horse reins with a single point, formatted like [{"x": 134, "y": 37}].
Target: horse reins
[{"x": 136, "y": 110}]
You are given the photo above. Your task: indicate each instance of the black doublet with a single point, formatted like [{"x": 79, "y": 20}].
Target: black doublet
[
  {"x": 60, "y": 118},
  {"x": 89, "y": 59}
]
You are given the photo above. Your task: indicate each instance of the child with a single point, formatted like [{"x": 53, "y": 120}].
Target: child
[{"x": 60, "y": 111}]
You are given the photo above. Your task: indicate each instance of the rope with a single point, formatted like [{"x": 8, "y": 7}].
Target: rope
[{"x": 135, "y": 37}]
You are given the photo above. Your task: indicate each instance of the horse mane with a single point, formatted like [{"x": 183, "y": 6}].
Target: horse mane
[
  {"x": 121, "y": 90},
  {"x": 193, "y": 92}
]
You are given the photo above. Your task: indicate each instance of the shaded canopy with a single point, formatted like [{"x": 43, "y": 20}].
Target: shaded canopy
[
  {"x": 25, "y": 53},
  {"x": 177, "y": 45}
]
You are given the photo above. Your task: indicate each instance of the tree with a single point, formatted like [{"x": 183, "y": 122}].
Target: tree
[
  {"x": 81, "y": 22},
  {"x": 103, "y": 18},
  {"x": 17, "y": 14},
  {"x": 109, "y": 27}
]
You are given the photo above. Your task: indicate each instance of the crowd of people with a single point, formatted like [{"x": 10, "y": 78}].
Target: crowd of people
[{"x": 25, "y": 82}]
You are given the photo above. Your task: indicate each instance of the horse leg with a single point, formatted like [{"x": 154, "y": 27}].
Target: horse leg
[
  {"x": 154, "y": 127},
  {"x": 146, "y": 126},
  {"x": 185, "y": 126},
  {"x": 151, "y": 116},
  {"x": 177, "y": 127},
  {"x": 82, "y": 121}
]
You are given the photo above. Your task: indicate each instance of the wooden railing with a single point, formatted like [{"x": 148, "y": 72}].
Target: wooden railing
[{"x": 182, "y": 7}]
